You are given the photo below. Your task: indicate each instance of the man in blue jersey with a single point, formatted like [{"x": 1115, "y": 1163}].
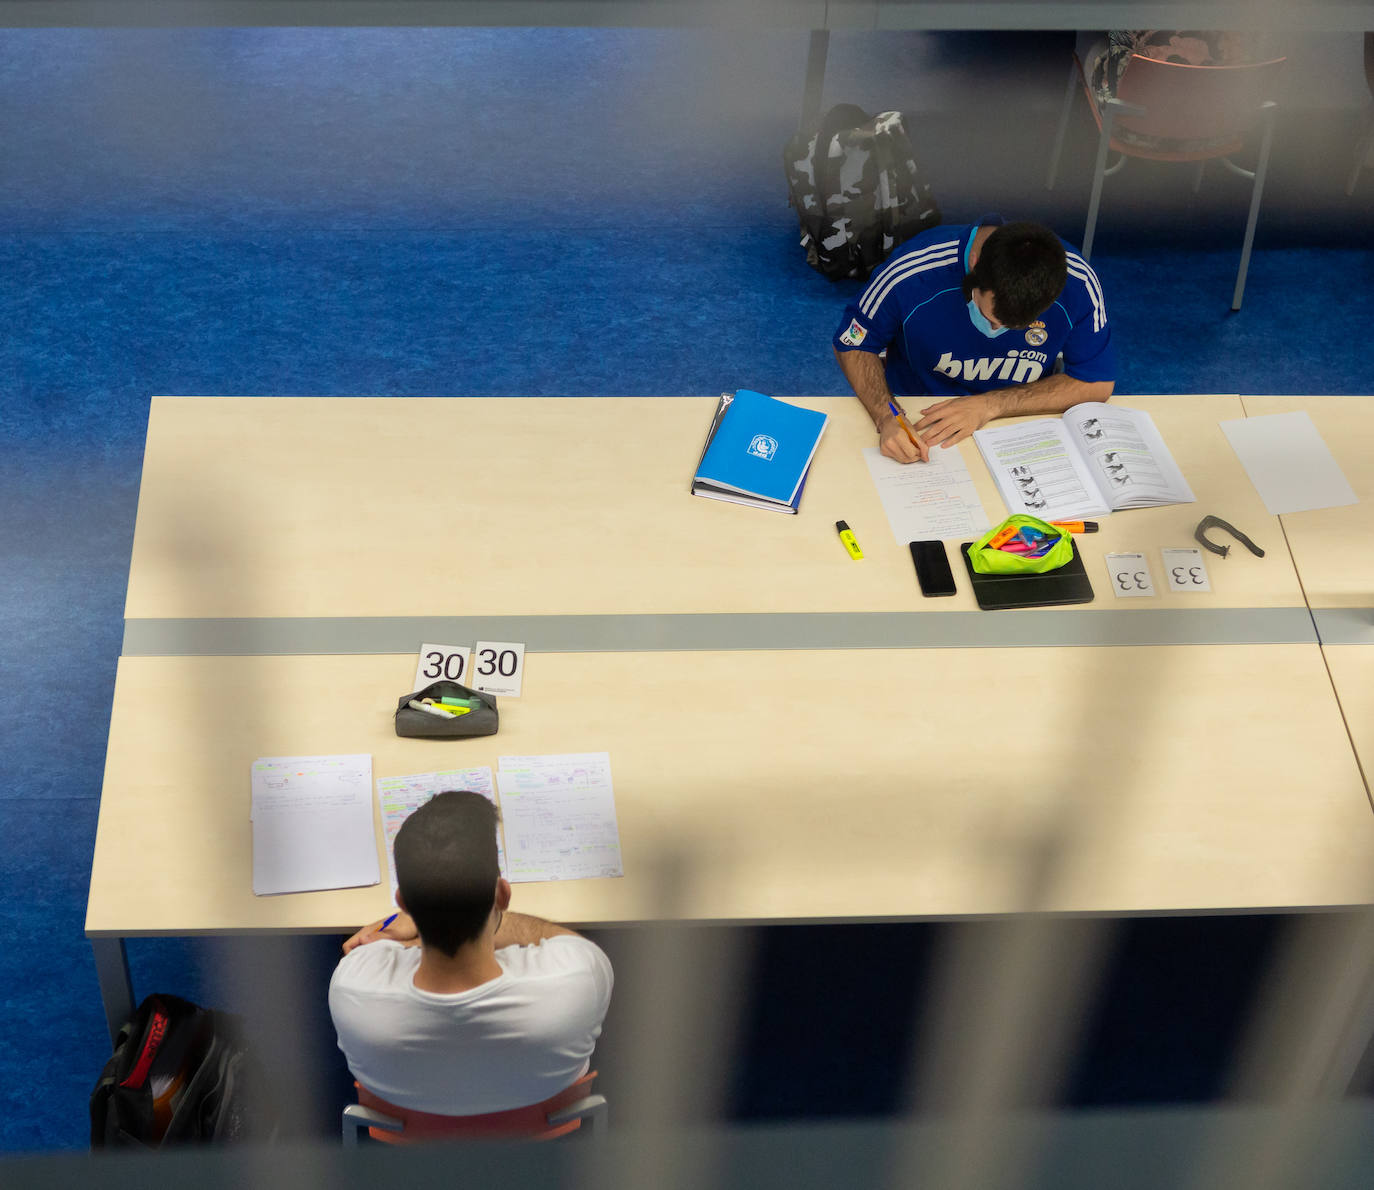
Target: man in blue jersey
[{"x": 975, "y": 315}]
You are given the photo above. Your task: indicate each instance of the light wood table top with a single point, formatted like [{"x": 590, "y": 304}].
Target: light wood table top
[
  {"x": 789, "y": 785},
  {"x": 1333, "y": 546},
  {"x": 1352, "y": 674},
  {"x": 335, "y": 507}
]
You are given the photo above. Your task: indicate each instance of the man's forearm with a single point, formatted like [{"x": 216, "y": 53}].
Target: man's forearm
[
  {"x": 523, "y": 929},
  {"x": 1052, "y": 394},
  {"x": 866, "y": 377}
]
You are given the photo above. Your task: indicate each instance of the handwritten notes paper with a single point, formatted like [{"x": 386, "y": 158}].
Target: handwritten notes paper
[
  {"x": 400, "y": 797},
  {"x": 312, "y": 823},
  {"x": 926, "y": 501},
  {"x": 559, "y": 815}
]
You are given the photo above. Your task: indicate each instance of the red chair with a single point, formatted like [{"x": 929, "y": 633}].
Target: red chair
[
  {"x": 1176, "y": 102},
  {"x": 556, "y": 1116}
]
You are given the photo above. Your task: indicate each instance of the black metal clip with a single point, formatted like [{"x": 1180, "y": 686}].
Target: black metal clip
[{"x": 1215, "y": 522}]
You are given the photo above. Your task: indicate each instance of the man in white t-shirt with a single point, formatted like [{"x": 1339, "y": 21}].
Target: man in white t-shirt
[{"x": 460, "y": 1006}]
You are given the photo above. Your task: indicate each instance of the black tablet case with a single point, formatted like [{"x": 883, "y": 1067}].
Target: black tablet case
[{"x": 995, "y": 592}]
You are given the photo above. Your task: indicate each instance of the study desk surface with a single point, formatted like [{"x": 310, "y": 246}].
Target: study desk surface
[
  {"x": 336, "y": 507},
  {"x": 1332, "y": 546},
  {"x": 788, "y": 786}
]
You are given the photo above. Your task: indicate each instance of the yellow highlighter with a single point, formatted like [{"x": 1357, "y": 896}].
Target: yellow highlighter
[{"x": 849, "y": 543}]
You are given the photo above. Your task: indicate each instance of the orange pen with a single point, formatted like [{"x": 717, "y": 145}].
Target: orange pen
[
  {"x": 1076, "y": 526},
  {"x": 906, "y": 425}
]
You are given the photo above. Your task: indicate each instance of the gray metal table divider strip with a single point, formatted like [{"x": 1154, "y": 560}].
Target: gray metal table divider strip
[{"x": 710, "y": 632}]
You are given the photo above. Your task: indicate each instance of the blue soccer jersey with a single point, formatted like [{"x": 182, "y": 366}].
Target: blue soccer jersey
[{"x": 915, "y": 307}]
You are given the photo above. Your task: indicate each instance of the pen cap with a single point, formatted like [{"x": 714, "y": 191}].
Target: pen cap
[{"x": 842, "y": 526}]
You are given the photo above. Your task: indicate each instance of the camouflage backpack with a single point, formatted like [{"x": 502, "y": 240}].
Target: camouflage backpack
[{"x": 857, "y": 191}]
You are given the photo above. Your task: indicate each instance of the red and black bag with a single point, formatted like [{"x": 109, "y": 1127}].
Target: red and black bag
[{"x": 180, "y": 1074}]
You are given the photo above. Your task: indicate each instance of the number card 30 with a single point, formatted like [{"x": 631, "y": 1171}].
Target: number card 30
[
  {"x": 442, "y": 661},
  {"x": 498, "y": 667}
]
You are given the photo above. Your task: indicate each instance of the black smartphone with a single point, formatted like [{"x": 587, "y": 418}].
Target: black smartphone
[{"x": 932, "y": 567}]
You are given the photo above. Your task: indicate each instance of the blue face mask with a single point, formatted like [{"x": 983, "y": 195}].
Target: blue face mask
[{"x": 979, "y": 320}]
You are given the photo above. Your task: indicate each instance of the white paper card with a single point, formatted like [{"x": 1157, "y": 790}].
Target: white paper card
[
  {"x": 498, "y": 667},
  {"x": 442, "y": 661},
  {"x": 928, "y": 501},
  {"x": 1130, "y": 575},
  {"x": 312, "y": 823},
  {"x": 1288, "y": 462},
  {"x": 400, "y": 797},
  {"x": 1185, "y": 570}
]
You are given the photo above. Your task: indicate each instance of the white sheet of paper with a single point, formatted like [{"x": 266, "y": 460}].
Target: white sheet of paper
[
  {"x": 559, "y": 813},
  {"x": 928, "y": 501},
  {"x": 312, "y": 823},
  {"x": 1287, "y": 460},
  {"x": 400, "y": 797}
]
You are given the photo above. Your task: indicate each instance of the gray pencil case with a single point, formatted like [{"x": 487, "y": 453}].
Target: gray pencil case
[{"x": 482, "y": 719}]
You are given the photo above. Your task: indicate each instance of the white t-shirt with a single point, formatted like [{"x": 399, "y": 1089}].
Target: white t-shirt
[{"x": 515, "y": 1040}]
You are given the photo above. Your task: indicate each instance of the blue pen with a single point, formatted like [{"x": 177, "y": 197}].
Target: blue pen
[{"x": 388, "y": 921}]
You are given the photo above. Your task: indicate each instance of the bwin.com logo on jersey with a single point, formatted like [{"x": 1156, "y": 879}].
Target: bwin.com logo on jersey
[{"x": 763, "y": 447}]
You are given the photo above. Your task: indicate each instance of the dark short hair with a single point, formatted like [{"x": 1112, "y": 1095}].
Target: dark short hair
[
  {"x": 1024, "y": 267},
  {"x": 446, "y": 868}
]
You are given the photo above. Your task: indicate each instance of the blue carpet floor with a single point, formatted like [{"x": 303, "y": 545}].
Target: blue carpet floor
[{"x": 541, "y": 212}]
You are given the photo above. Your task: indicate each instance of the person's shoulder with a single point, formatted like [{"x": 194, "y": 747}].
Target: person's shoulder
[
  {"x": 563, "y": 953},
  {"x": 375, "y": 965},
  {"x": 939, "y": 244},
  {"x": 930, "y": 258},
  {"x": 1082, "y": 292}
]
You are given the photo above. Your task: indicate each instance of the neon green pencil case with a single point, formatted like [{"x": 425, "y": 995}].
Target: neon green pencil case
[{"x": 987, "y": 561}]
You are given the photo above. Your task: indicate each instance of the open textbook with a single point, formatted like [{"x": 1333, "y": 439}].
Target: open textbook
[{"x": 1096, "y": 459}]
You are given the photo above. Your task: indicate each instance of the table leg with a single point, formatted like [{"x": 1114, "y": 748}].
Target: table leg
[
  {"x": 116, "y": 989},
  {"x": 815, "y": 76}
]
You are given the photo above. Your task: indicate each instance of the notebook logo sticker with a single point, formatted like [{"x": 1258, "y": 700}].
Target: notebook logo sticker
[{"x": 763, "y": 447}]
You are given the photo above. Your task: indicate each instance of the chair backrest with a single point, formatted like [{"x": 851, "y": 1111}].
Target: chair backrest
[
  {"x": 531, "y": 1123},
  {"x": 1187, "y": 103}
]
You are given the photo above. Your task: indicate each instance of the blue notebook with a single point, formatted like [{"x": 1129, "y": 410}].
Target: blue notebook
[{"x": 758, "y": 451}]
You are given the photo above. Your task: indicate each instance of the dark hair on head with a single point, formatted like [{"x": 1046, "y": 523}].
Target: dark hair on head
[
  {"x": 446, "y": 868},
  {"x": 1024, "y": 267}
]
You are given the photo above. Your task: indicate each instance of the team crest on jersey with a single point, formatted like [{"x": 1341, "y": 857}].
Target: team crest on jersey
[
  {"x": 763, "y": 447},
  {"x": 1036, "y": 333},
  {"x": 854, "y": 334}
]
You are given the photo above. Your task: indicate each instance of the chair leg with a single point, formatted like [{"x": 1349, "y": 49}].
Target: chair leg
[
  {"x": 1063, "y": 128},
  {"x": 1257, "y": 192},
  {"x": 1104, "y": 141}
]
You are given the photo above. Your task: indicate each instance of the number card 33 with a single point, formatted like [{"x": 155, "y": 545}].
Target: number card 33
[
  {"x": 1130, "y": 575},
  {"x": 1185, "y": 570}
]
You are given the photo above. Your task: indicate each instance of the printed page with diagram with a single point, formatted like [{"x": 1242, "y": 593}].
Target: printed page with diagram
[
  {"x": 1128, "y": 457},
  {"x": 1038, "y": 471}
]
